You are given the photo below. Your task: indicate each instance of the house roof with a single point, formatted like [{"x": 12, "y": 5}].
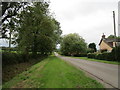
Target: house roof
[{"x": 109, "y": 40}]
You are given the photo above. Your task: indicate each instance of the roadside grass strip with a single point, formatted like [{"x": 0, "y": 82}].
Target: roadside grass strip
[
  {"x": 52, "y": 73},
  {"x": 97, "y": 60}
]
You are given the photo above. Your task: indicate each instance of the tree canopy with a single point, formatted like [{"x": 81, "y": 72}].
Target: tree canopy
[
  {"x": 35, "y": 29},
  {"x": 92, "y": 46},
  {"x": 73, "y": 44},
  {"x": 9, "y": 10},
  {"x": 113, "y": 36}
]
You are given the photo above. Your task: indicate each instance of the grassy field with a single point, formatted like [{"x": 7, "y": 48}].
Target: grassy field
[
  {"x": 103, "y": 61},
  {"x": 52, "y": 73}
]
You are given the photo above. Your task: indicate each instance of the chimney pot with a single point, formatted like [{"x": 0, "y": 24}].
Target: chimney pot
[{"x": 103, "y": 36}]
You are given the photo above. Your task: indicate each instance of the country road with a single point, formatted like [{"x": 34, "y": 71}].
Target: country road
[{"x": 104, "y": 73}]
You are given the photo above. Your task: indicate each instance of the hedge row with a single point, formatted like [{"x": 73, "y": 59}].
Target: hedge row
[
  {"x": 76, "y": 55},
  {"x": 81, "y": 55},
  {"x": 111, "y": 56},
  {"x": 102, "y": 56},
  {"x": 14, "y": 58}
]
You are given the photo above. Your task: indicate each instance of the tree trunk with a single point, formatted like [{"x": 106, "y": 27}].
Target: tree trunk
[{"x": 10, "y": 40}]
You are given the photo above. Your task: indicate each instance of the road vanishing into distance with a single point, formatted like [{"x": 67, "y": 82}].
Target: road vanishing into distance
[{"x": 107, "y": 74}]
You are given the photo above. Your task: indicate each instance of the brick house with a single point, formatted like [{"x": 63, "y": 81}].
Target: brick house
[{"x": 108, "y": 43}]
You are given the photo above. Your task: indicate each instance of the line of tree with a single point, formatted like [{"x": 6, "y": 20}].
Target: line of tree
[{"x": 33, "y": 29}]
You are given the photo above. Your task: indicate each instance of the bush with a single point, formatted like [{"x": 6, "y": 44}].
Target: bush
[
  {"x": 102, "y": 56},
  {"x": 81, "y": 55},
  {"x": 91, "y": 55},
  {"x": 11, "y": 58},
  {"x": 14, "y": 58},
  {"x": 89, "y": 50},
  {"x": 113, "y": 56},
  {"x": 116, "y": 53}
]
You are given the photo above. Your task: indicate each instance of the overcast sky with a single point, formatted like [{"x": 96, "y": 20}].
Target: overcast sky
[{"x": 89, "y": 18}]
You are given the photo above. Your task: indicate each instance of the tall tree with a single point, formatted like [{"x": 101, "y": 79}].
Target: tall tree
[
  {"x": 92, "y": 46},
  {"x": 37, "y": 30},
  {"x": 73, "y": 44}
]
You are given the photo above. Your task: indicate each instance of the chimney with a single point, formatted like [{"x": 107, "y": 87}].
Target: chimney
[{"x": 103, "y": 36}]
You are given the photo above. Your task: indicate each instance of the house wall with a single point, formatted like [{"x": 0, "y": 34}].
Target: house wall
[
  {"x": 117, "y": 43},
  {"x": 113, "y": 44},
  {"x": 104, "y": 46}
]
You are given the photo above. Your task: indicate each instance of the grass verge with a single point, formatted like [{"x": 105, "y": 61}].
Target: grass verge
[
  {"x": 97, "y": 60},
  {"x": 9, "y": 71},
  {"x": 52, "y": 73}
]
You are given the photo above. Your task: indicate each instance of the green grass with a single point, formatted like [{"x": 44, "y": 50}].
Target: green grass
[
  {"x": 52, "y": 73},
  {"x": 97, "y": 60}
]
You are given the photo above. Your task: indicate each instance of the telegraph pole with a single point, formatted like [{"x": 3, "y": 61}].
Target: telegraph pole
[
  {"x": 114, "y": 26},
  {"x": 115, "y": 34}
]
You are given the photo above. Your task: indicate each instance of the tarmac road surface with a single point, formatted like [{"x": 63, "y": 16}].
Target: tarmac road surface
[{"x": 104, "y": 73}]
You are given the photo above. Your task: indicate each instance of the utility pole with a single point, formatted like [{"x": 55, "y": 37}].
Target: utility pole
[
  {"x": 114, "y": 26},
  {"x": 115, "y": 34}
]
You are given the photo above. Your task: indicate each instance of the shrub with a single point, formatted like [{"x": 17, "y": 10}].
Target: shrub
[
  {"x": 102, "y": 56},
  {"x": 116, "y": 53},
  {"x": 113, "y": 56},
  {"x": 9, "y": 58},
  {"x": 89, "y": 50},
  {"x": 14, "y": 58},
  {"x": 81, "y": 55},
  {"x": 91, "y": 55}
]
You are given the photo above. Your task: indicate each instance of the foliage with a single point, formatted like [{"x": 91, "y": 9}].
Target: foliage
[
  {"x": 113, "y": 36},
  {"x": 105, "y": 56},
  {"x": 81, "y": 55},
  {"x": 89, "y": 50},
  {"x": 73, "y": 44},
  {"x": 10, "y": 58},
  {"x": 109, "y": 56},
  {"x": 9, "y": 10},
  {"x": 11, "y": 67},
  {"x": 37, "y": 30},
  {"x": 92, "y": 46},
  {"x": 116, "y": 53},
  {"x": 91, "y": 55}
]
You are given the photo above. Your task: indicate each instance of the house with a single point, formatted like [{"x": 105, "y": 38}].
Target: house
[{"x": 108, "y": 43}]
